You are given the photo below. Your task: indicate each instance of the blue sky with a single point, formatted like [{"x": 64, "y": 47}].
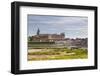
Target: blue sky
[{"x": 72, "y": 26}]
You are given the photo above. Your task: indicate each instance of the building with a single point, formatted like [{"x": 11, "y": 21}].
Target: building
[
  {"x": 48, "y": 37},
  {"x": 59, "y": 40}
]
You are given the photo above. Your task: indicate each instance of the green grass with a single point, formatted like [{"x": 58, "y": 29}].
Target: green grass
[
  {"x": 58, "y": 53},
  {"x": 42, "y": 45}
]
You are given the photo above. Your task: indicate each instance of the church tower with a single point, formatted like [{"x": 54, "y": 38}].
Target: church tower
[
  {"x": 38, "y": 31},
  {"x": 63, "y": 35}
]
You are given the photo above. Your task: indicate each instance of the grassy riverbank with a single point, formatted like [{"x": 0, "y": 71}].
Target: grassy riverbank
[{"x": 56, "y": 54}]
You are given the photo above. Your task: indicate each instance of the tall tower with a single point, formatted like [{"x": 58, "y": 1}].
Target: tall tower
[
  {"x": 63, "y": 35},
  {"x": 38, "y": 31}
]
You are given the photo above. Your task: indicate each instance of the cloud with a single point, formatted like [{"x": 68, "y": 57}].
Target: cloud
[{"x": 55, "y": 24}]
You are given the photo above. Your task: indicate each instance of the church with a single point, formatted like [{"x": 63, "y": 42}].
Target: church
[{"x": 48, "y": 37}]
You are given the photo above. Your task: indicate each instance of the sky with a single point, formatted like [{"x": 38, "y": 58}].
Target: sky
[{"x": 72, "y": 26}]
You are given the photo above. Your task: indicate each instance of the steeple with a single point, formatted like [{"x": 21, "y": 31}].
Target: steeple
[
  {"x": 38, "y": 31},
  {"x": 63, "y": 34}
]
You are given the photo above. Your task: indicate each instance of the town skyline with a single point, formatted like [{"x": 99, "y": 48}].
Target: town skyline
[{"x": 73, "y": 27}]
